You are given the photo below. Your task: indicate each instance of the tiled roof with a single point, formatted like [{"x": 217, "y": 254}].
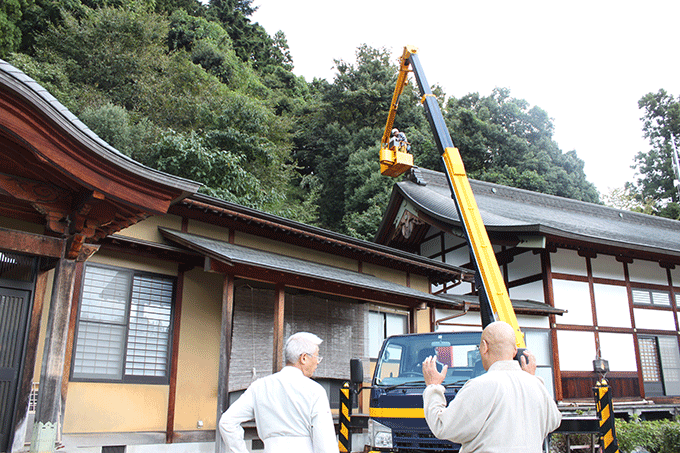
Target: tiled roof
[{"x": 507, "y": 209}]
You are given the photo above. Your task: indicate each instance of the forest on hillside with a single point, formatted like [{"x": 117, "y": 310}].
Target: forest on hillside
[{"x": 200, "y": 91}]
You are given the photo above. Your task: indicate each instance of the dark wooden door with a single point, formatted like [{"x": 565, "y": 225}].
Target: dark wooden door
[{"x": 14, "y": 308}]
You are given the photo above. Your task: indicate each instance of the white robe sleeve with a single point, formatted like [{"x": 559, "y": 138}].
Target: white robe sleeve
[
  {"x": 324, "y": 439},
  {"x": 458, "y": 422},
  {"x": 230, "y": 427}
]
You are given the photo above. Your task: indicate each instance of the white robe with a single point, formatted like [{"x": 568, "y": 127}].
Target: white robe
[
  {"x": 505, "y": 410},
  {"x": 291, "y": 412}
]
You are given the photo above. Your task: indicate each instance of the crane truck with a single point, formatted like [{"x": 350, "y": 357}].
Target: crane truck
[{"x": 396, "y": 419}]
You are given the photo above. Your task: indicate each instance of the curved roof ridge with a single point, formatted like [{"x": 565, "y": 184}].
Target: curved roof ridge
[{"x": 36, "y": 95}]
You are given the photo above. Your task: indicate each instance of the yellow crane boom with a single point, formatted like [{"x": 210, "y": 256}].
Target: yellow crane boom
[{"x": 493, "y": 295}]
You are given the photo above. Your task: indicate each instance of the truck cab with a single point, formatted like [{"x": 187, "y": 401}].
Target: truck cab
[{"x": 397, "y": 421}]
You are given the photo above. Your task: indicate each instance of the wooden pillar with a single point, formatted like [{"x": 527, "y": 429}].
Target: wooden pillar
[
  {"x": 277, "y": 360},
  {"x": 174, "y": 358},
  {"x": 225, "y": 353},
  {"x": 68, "y": 357},
  {"x": 47, "y": 425},
  {"x": 549, "y": 297}
]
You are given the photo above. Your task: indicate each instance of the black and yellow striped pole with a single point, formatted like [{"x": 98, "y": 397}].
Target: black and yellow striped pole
[
  {"x": 344, "y": 435},
  {"x": 605, "y": 412}
]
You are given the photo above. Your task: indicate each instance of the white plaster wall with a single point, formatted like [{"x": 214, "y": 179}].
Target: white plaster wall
[
  {"x": 654, "y": 319},
  {"x": 619, "y": 350},
  {"x": 524, "y": 265},
  {"x": 568, "y": 262},
  {"x": 451, "y": 241},
  {"x": 458, "y": 257},
  {"x": 675, "y": 276},
  {"x": 534, "y": 322},
  {"x": 605, "y": 266},
  {"x": 470, "y": 322},
  {"x": 431, "y": 247},
  {"x": 532, "y": 291},
  {"x": 575, "y": 298},
  {"x": 576, "y": 349},
  {"x": 647, "y": 272},
  {"x": 538, "y": 341},
  {"x": 611, "y": 304}
]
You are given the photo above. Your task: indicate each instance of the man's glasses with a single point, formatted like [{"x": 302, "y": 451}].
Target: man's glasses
[{"x": 317, "y": 357}]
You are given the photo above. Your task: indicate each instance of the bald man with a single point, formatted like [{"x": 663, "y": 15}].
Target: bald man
[{"x": 508, "y": 409}]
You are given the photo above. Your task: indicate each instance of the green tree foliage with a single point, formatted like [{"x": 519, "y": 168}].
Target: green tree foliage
[
  {"x": 251, "y": 41},
  {"x": 501, "y": 139},
  {"x": 655, "y": 173},
  {"x": 506, "y": 141},
  {"x": 137, "y": 78},
  {"x": 10, "y": 33},
  {"x": 201, "y": 92},
  {"x": 624, "y": 198},
  {"x": 337, "y": 141}
]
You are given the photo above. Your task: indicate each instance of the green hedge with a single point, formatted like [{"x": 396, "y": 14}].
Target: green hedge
[{"x": 658, "y": 436}]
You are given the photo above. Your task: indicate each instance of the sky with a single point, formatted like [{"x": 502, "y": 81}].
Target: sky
[{"x": 586, "y": 63}]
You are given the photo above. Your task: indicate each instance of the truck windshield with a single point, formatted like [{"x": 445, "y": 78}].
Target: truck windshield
[{"x": 401, "y": 357}]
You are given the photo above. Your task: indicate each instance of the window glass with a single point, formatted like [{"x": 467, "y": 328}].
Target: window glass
[
  {"x": 376, "y": 329},
  {"x": 390, "y": 365},
  {"x": 670, "y": 364},
  {"x": 149, "y": 334},
  {"x": 396, "y": 324},
  {"x": 124, "y": 326},
  {"x": 382, "y": 325},
  {"x": 538, "y": 342}
]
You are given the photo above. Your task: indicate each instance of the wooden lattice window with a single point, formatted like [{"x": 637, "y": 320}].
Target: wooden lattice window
[{"x": 649, "y": 357}]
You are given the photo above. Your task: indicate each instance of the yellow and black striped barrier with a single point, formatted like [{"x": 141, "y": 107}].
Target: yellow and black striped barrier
[
  {"x": 605, "y": 412},
  {"x": 344, "y": 435}
]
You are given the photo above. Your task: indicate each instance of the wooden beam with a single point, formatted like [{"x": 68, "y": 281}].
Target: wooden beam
[
  {"x": 225, "y": 354},
  {"x": 277, "y": 360},
  {"x": 33, "y": 244}
]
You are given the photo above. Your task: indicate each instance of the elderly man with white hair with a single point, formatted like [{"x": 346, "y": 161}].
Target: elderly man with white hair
[{"x": 291, "y": 410}]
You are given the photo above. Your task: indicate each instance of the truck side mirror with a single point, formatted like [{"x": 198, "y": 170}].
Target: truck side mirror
[{"x": 356, "y": 372}]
